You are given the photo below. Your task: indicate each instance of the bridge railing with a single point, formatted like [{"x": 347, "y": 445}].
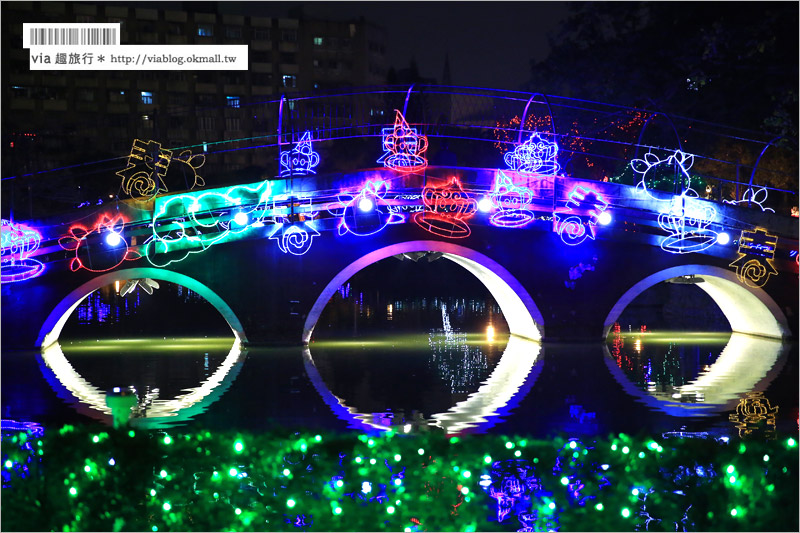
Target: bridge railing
[{"x": 466, "y": 128}]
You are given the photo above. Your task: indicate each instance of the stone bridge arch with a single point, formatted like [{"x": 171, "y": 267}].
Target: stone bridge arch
[
  {"x": 57, "y": 318},
  {"x": 521, "y": 313},
  {"x": 749, "y": 310}
]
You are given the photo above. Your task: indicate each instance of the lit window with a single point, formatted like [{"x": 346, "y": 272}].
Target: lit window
[
  {"x": 147, "y": 97},
  {"x": 205, "y": 30},
  {"x": 233, "y": 101},
  {"x": 317, "y": 41},
  {"x": 289, "y": 81}
]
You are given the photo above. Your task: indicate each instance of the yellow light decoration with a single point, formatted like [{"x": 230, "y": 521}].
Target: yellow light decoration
[
  {"x": 147, "y": 166},
  {"x": 754, "y": 265},
  {"x": 751, "y": 411}
]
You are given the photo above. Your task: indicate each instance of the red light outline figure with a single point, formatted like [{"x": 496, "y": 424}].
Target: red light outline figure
[
  {"x": 79, "y": 237},
  {"x": 446, "y": 210}
]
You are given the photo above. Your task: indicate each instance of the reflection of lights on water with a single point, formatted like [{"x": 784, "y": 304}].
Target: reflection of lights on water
[
  {"x": 637, "y": 345},
  {"x": 116, "y": 286},
  {"x": 490, "y": 333},
  {"x": 389, "y": 312}
]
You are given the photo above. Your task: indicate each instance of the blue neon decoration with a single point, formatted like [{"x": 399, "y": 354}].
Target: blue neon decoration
[
  {"x": 294, "y": 233},
  {"x": 18, "y": 243},
  {"x": 573, "y": 227},
  {"x": 756, "y": 255},
  {"x": 367, "y": 212},
  {"x": 301, "y": 160},
  {"x": 403, "y": 146},
  {"x": 686, "y": 217},
  {"x": 186, "y": 224},
  {"x": 513, "y": 202},
  {"x": 534, "y": 156},
  {"x": 757, "y": 196}
]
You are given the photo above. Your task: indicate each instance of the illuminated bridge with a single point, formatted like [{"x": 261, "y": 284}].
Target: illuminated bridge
[{"x": 566, "y": 210}]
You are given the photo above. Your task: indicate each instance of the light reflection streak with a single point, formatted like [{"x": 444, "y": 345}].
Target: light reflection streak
[
  {"x": 157, "y": 413},
  {"x": 746, "y": 364},
  {"x": 514, "y": 375}
]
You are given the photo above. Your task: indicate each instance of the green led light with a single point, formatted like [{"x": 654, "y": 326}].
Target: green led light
[
  {"x": 565, "y": 480},
  {"x": 154, "y": 528},
  {"x": 770, "y": 487},
  {"x": 614, "y": 447},
  {"x": 766, "y": 458},
  {"x": 626, "y": 512},
  {"x": 641, "y": 455},
  {"x": 599, "y": 506},
  {"x": 466, "y": 473},
  {"x": 95, "y": 439},
  {"x": 9, "y": 463},
  {"x": 791, "y": 442},
  {"x": 152, "y": 492},
  {"x": 238, "y": 446},
  {"x": 215, "y": 475},
  {"x": 167, "y": 439},
  {"x": 742, "y": 448},
  {"x": 358, "y": 460},
  {"x": 238, "y": 511},
  {"x": 487, "y": 459},
  {"x": 290, "y": 503},
  {"x": 398, "y": 481},
  {"x": 370, "y": 443},
  {"x": 635, "y": 492},
  {"x": 233, "y": 472},
  {"x": 303, "y": 447},
  {"x": 163, "y": 473},
  {"x": 464, "y": 490},
  {"x": 509, "y": 445},
  {"x": 421, "y": 451},
  {"x": 286, "y": 472},
  {"x": 734, "y": 511},
  {"x": 131, "y": 433},
  {"x": 730, "y": 469},
  {"x": 167, "y": 506},
  {"x": 73, "y": 491},
  {"x": 390, "y": 509},
  {"x": 625, "y": 449},
  {"x": 397, "y": 457},
  {"x": 572, "y": 444},
  {"x": 551, "y": 505},
  {"x": 523, "y": 443},
  {"x": 372, "y": 461},
  {"x": 87, "y": 468},
  {"x": 653, "y": 445},
  {"x": 339, "y": 483},
  {"x": 575, "y": 455},
  {"x": 337, "y": 510},
  {"x": 517, "y": 453}
]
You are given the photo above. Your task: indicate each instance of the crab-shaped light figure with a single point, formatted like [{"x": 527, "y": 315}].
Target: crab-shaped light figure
[
  {"x": 753, "y": 196},
  {"x": 686, "y": 217},
  {"x": 446, "y": 211},
  {"x": 101, "y": 248},
  {"x": 301, "y": 159},
  {"x": 534, "y": 156},
  {"x": 403, "y": 146},
  {"x": 367, "y": 212},
  {"x": 756, "y": 254},
  {"x": 574, "y": 228},
  {"x": 18, "y": 243},
  {"x": 147, "y": 166},
  {"x": 512, "y": 202}
]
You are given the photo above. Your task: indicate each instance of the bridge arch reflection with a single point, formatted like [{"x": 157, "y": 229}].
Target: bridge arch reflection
[
  {"x": 749, "y": 310},
  {"x": 55, "y": 321},
  {"x": 523, "y": 317}
]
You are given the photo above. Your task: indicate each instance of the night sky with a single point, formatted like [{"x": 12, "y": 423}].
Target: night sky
[{"x": 490, "y": 44}]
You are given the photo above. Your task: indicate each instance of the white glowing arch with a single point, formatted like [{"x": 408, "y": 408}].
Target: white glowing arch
[
  {"x": 749, "y": 310},
  {"x": 51, "y": 329},
  {"x": 746, "y": 364},
  {"x": 523, "y": 317},
  {"x": 481, "y": 409}
]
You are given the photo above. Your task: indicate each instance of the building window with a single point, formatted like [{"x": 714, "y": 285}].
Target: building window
[
  {"x": 261, "y": 34},
  {"x": 147, "y": 97},
  {"x": 205, "y": 30},
  {"x": 147, "y": 122},
  {"x": 333, "y": 64},
  {"x": 205, "y": 99},
  {"x": 317, "y": 41},
  {"x": 233, "y": 32},
  {"x": 261, "y": 78},
  {"x": 175, "y": 29},
  {"x": 289, "y": 36},
  {"x": 206, "y": 123},
  {"x": 288, "y": 58},
  {"x": 20, "y": 92},
  {"x": 232, "y": 124},
  {"x": 289, "y": 81},
  {"x": 233, "y": 101},
  {"x": 177, "y": 98},
  {"x": 86, "y": 95},
  {"x": 84, "y": 19},
  {"x": 316, "y": 63}
]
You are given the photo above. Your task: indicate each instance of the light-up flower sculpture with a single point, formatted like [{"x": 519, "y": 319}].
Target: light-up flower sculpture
[
  {"x": 756, "y": 254},
  {"x": 367, "y": 212},
  {"x": 571, "y": 224},
  {"x": 403, "y": 146},
  {"x": 534, "y": 156},
  {"x": 301, "y": 159},
  {"x": 101, "y": 248},
  {"x": 446, "y": 211},
  {"x": 684, "y": 216},
  {"x": 18, "y": 243},
  {"x": 512, "y": 201}
]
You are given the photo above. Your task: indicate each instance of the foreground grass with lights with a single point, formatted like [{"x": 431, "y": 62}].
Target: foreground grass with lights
[{"x": 84, "y": 479}]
